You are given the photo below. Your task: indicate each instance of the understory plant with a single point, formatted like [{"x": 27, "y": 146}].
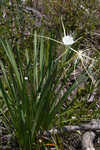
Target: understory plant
[{"x": 34, "y": 87}]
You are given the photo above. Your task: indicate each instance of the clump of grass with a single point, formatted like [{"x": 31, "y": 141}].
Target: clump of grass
[{"x": 33, "y": 97}]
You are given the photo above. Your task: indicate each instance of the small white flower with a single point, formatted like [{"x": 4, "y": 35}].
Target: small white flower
[
  {"x": 73, "y": 117},
  {"x": 68, "y": 40},
  {"x": 26, "y": 78}
]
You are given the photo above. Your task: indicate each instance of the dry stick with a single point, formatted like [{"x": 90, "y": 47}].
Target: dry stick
[{"x": 93, "y": 125}]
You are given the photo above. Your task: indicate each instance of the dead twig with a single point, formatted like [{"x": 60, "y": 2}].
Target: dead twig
[{"x": 93, "y": 125}]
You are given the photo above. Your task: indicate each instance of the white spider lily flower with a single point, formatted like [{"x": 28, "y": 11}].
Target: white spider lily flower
[{"x": 68, "y": 40}]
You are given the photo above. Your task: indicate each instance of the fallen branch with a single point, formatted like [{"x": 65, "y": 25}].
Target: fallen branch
[{"x": 93, "y": 125}]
